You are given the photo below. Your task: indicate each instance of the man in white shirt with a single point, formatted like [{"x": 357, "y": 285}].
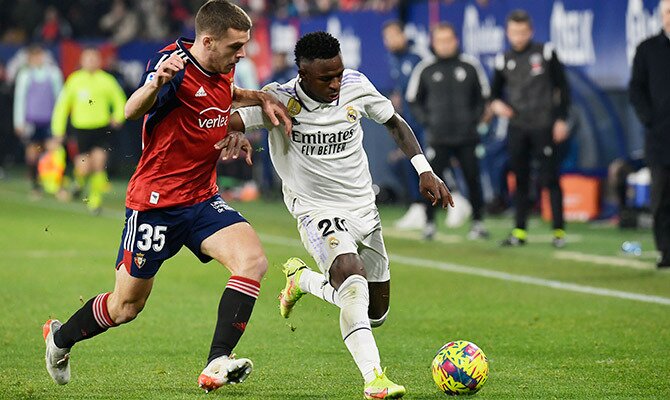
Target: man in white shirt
[{"x": 327, "y": 187}]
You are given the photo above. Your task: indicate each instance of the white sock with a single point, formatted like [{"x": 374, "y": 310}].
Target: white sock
[
  {"x": 355, "y": 326},
  {"x": 316, "y": 284}
]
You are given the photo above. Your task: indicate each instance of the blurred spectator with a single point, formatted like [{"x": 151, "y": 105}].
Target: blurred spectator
[
  {"x": 53, "y": 28},
  {"x": 80, "y": 13},
  {"x": 10, "y": 143},
  {"x": 246, "y": 75},
  {"x": 122, "y": 22},
  {"x": 94, "y": 101},
  {"x": 401, "y": 63},
  {"x": 35, "y": 92},
  {"x": 536, "y": 103},
  {"x": 650, "y": 95},
  {"x": 282, "y": 69},
  {"x": 25, "y": 17},
  {"x": 617, "y": 201},
  {"x": 447, "y": 95},
  {"x": 20, "y": 60},
  {"x": 156, "y": 19}
]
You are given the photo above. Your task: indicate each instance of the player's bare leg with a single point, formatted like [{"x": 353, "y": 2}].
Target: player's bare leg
[
  {"x": 100, "y": 313},
  {"x": 348, "y": 276},
  {"x": 239, "y": 249}
]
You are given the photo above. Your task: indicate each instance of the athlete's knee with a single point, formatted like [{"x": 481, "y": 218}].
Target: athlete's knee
[
  {"x": 345, "y": 266},
  {"x": 377, "y": 320},
  {"x": 123, "y": 311},
  {"x": 253, "y": 266}
]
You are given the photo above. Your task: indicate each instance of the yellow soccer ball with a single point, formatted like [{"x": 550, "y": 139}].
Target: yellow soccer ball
[{"x": 460, "y": 367}]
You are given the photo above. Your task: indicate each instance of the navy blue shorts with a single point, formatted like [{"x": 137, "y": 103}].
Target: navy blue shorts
[{"x": 151, "y": 237}]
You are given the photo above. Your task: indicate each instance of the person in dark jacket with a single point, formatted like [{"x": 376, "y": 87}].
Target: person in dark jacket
[
  {"x": 447, "y": 96},
  {"x": 650, "y": 95},
  {"x": 531, "y": 79}
]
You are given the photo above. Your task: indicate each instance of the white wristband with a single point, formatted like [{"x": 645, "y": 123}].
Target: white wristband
[{"x": 420, "y": 164}]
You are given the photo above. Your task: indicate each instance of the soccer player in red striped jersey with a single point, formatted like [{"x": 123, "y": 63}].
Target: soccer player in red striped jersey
[{"x": 172, "y": 200}]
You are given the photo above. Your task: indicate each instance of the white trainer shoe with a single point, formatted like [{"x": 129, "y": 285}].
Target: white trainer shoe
[
  {"x": 414, "y": 218},
  {"x": 224, "y": 370},
  {"x": 461, "y": 212},
  {"x": 57, "y": 359}
]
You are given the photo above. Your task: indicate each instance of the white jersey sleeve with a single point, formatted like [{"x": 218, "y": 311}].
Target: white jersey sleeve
[
  {"x": 375, "y": 106},
  {"x": 253, "y": 117}
]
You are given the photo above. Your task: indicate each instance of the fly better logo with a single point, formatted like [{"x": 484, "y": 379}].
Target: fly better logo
[{"x": 219, "y": 121}]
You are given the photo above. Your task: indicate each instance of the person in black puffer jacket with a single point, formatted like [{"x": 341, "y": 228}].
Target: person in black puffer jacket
[{"x": 447, "y": 96}]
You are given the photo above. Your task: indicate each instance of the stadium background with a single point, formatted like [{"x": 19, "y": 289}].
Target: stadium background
[{"x": 595, "y": 39}]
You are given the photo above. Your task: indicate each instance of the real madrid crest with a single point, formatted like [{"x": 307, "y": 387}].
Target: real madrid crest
[
  {"x": 140, "y": 260},
  {"x": 352, "y": 116},
  {"x": 294, "y": 107}
]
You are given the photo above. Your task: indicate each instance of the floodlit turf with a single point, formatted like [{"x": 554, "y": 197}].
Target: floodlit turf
[{"x": 542, "y": 342}]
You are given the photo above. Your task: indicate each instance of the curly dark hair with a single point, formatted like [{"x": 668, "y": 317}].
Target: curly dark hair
[{"x": 316, "y": 45}]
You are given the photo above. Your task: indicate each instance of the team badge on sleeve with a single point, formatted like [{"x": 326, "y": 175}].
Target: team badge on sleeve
[
  {"x": 150, "y": 77},
  {"x": 294, "y": 107}
]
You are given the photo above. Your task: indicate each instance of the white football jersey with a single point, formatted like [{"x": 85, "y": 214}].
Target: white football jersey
[{"x": 323, "y": 164}]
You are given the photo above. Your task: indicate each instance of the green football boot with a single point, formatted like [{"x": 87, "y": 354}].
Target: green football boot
[
  {"x": 383, "y": 388},
  {"x": 291, "y": 293}
]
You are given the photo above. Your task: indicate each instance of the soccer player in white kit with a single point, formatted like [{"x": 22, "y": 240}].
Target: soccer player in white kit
[{"x": 327, "y": 187}]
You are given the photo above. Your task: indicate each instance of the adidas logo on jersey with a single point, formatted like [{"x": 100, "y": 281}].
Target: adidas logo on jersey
[{"x": 201, "y": 92}]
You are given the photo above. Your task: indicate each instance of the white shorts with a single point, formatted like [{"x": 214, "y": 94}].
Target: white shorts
[{"x": 327, "y": 234}]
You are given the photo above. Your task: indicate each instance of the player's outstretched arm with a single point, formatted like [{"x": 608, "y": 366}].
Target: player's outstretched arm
[
  {"x": 430, "y": 185},
  {"x": 272, "y": 107},
  {"x": 144, "y": 98}
]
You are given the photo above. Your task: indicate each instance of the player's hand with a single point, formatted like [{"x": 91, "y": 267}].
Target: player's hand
[
  {"x": 560, "y": 131},
  {"x": 276, "y": 110},
  {"x": 434, "y": 190},
  {"x": 20, "y": 131},
  {"x": 233, "y": 144},
  {"x": 168, "y": 69},
  {"x": 501, "y": 109}
]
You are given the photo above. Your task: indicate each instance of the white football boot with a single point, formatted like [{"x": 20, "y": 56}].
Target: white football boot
[
  {"x": 224, "y": 370},
  {"x": 57, "y": 359}
]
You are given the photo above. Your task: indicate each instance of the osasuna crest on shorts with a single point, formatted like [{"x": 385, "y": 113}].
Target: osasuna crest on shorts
[{"x": 323, "y": 164}]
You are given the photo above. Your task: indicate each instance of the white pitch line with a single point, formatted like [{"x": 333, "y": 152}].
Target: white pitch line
[
  {"x": 423, "y": 263},
  {"x": 622, "y": 261},
  {"x": 503, "y": 276}
]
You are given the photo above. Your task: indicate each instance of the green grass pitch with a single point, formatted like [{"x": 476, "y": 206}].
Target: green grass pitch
[{"x": 586, "y": 322}]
